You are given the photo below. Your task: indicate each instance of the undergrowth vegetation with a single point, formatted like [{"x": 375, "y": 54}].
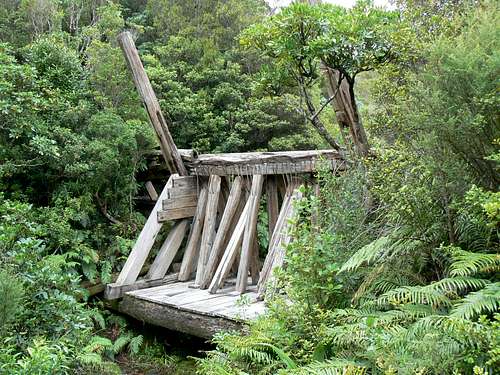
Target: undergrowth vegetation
[{"x": 394, "y": 266}]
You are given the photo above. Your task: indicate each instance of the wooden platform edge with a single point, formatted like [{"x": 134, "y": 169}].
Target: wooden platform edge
[
  {"x": 199, "y": 325},
  {"x": 114, "y": 290}
]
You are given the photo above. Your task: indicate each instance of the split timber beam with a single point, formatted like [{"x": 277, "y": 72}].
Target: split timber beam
[
  {"x": 263, "y": 163},
  {"x": 159, "y": 122}
]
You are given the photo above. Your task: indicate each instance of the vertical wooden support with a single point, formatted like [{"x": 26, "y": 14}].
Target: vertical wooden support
[
  {"x": 193, "y": 243},
  {"x": 160, "y": 124},
  {"x": 224, "y": 230},
  {"x": 208, "y": 234},
  {"x": 144, "y": 242},
  {"x": 168, "y": 250},
  {"x": 250, "y": 233},
  {"x": 255, "y": 262},
  {"x": 272, "y": 202},
  {"x": 230, "y": 252}
]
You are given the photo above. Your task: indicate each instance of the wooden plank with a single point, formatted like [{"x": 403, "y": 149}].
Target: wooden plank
[
  {"x": 192, "y": 246},
  {"x": 160, "y": 124},
  {"x": 168, "y": 250},
  {"x": 208, "y": 234},
  {"x": 272, "y": 203},
  {"x": 115, "y": 291},
  {"x": 182, "y": 192},
  {"x": 230, "y": 253},
  {"x": 223, "y": 232},
  {"x": 175, "y": 214},
  {"x": 185, "y": 181},
  {"x": 250, "y": 233},
  {"x": 151, "y": 191},
  {"x": 144, "y": 243},
  {"x": 181, "y": 202}
]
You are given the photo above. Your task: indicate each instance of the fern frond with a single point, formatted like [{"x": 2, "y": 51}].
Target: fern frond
[
  {"x": 330, "y": 367},
  {"x": 98, "y": 344},
  {"x": 98, "y": 318},
  {"x": 367, "y": 254},
  {"x": 486, "y": 300},
  {"x": 135, "y": 344},
  {"x": 420, "y": 295},
  {"x": 467, "y": 263},
  {"x": 348, "y": 335},
  {"x": 90, "y": 358},
  {"x": 458, "y": 284},
  {"x": 120, "y": 343}
]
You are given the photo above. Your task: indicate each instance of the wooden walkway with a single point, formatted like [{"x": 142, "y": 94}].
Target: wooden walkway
[{"x": 180, "y": 307}]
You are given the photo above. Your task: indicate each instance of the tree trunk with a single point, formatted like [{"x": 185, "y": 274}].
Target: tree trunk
[{"x": 346, "y": 111}]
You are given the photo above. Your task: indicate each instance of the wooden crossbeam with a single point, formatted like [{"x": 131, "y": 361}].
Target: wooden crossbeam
[{"x": 267, "y": 163}]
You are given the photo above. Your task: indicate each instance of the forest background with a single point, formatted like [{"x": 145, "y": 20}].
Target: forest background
[{"x": 399, "y": 276}]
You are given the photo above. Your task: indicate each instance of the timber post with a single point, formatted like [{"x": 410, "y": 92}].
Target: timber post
[{"x": 159, "y": 122}]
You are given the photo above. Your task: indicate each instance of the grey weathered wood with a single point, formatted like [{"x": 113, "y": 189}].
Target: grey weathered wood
[
  {"x": 266, "y": 268},
  {"x": 151, "y": 191},
  {"x": 252, "y": 163},
  {"x": 160, "y": 124},
  {"x": 144, "y": 243},
  {"x": 170, "y": 317},
  {"x": 193, "y": 243},
  {"x": 230, "y": 253},
  {"x": 282, "y": 237},
  {"x": 181, "y": 202},
  {"x": 168, "y": 250},
  {"x": 185, "y": 181},
  {"x": 175, "y": 213},
  {"x": 250, "y": 233},
  {"x": 208, "y": 233},
  {"x": 191, "y": 191},
  {"x": 114, "y": 291},
  {"x": 255, "y": 262},
  {"x": 272, "y": 202},
  {"x": 223, "y": 231}
]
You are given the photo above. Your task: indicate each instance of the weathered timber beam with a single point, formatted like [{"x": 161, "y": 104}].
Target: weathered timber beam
[
  {"x": 115, "y": 290},
  {"x": 249, "y": 234},
  {"x": 176, "y": 319},
  {"x": 144, "y": 242},
  {"x": 265, "y": 163},
  {"x": 159, "y": 122}
]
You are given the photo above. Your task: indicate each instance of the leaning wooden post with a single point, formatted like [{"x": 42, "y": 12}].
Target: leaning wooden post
[{"x": 160, "y": 124}]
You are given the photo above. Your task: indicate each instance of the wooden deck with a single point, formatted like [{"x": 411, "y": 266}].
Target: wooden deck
[{"x": 181, "y": 307}]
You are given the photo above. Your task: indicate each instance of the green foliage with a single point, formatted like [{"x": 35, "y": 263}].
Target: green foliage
[
  {"x": 11, "y": 299},
  {"x": 410, "y": 241}
]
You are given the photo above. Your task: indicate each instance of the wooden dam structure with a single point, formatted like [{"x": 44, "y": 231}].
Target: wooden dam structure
[{"x": 211, "y": 205}]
